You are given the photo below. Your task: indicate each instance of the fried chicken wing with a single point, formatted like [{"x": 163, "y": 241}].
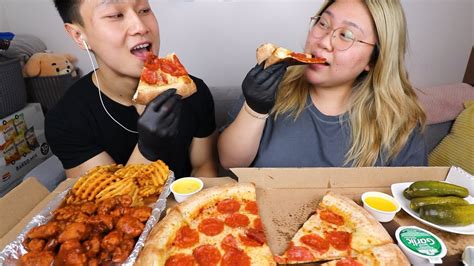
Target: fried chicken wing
[
  {"x": 35, "y": 244},
  {"x": 130, "y": 226},
  {"x": 51, "y": 244},
  {"x": 89, "y": 208},
  {"x": 44, "y": 231},
  {"x": 122, "y": 252},
  {"x": 35, "y": 258},
  {"x": 74, "y": 231},
  {"x": 141, "y": 213},
  {"x": 101, "y": 223},
  {"x": 71, "y": 253},
  {"x": 111, "y": 241},
  {"x": 92, "y": 246}
]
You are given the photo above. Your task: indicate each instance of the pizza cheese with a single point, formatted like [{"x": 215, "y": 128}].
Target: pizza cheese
[
  {"x": 160, "y": 74},
  {"x": 338, "y": 229},
  {"x": 218, "y": 226},
  {"x": 272, "y": 54}
]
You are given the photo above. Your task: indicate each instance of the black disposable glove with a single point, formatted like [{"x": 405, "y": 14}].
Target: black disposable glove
[
  {"x": 260, "y": 85},
  {"x": 158, "y": 126}
]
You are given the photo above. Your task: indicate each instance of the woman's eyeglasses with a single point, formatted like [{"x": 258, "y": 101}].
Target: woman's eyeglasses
[{"x": 341, "y": 38}]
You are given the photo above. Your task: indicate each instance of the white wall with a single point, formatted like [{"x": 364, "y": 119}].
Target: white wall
[{"x": 216, "y": 39}]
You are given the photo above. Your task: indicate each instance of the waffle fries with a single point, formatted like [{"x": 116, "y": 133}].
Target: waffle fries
[{"x": 103, "y": 182}]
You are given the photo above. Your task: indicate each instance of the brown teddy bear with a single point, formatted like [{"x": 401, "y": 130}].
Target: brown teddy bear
[{"x": 49, "y": 64}]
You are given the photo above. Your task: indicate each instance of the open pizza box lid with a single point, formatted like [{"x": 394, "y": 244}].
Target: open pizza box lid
[{"x": 287, "y": 196}]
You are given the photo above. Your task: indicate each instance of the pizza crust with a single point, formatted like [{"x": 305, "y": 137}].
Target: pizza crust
[
  {"x": 208, "y": 197},
  {"x": 389, "y": 255},
  {"x": 385, "y": 255},
  {"x": 264, "y": 51},
  {"x": 145, "y": 92},
  {"x": 155, "y": 250},
  {"x": 369, "y": 231}
]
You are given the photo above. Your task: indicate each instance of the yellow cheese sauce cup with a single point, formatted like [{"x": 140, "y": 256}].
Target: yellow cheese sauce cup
[
  {"x": 382, "y": 206},
  {"x": 184, "y": 187}
]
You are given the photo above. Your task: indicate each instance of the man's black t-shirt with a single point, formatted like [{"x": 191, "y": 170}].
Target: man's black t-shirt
[{"x": 78, "y": 128}]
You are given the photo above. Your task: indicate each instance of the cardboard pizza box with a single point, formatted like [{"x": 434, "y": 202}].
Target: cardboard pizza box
[
  {"x": 35, "y": 205},
  {"x": 19, "y": 202},
  {"x": 287, "y": 196}
]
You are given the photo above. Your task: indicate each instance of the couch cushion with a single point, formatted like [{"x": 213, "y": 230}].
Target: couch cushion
[
  {"x": 457, "y": 148},
  {"x": 444, "y": 103}
]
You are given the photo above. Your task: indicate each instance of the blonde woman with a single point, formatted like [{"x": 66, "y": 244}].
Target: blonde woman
[{"x": 358, "y": 110}]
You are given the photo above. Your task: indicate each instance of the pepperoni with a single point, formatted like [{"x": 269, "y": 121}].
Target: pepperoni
[
  {"x": 331, "y": 217},
  {"x": 252, "y": 207},
  {"x": 297, "y": 253},
  {"x": 237, "y": 220},
  {"x": 247, "y": 241},
  {"x": 152, "y": 62},
  {"x": 149, "y": 76},
  {"x": 234, "y": 257},
  {"x": 228, "y": 206},
  {"x": 229, "y": 242},
  {"x": 211, "y": 226},
  {"x": 299, "y": 56},
  {"x": 180, "y": 260},
  {"x": 253, "y": 238},
  {"x": 339, "y": 240},
  {"x": 257, "y": 235},
  {"x": 172, "y": 68},
  {"x": 316, "y": 242},
  {"x": 186, "y": 237},
  {"x": 257, "y": 224},
  {"x": 348, "y": 262},
  {"x": 207, "y": 255}
]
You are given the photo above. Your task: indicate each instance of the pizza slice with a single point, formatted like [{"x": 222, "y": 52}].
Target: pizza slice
[
  {"x": 160, "y": 74},
  {"x": 272, "y": 54},
  {"x": 339, "y": 228},
  {"x": 217, "y": 225},
  {"x": 385, "y": 255}
]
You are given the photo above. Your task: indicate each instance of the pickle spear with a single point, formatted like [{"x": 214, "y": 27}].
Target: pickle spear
[
  {"x": 448, "y": 214},
  {"x": 417, "y": 203},
  {"x": 434, "y": 188}
]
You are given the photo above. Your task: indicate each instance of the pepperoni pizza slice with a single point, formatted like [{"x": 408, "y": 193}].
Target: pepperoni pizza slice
[
  {"x": 218, "y": 226},
  {"x": 385, "y": 255},
  {"x": 272, "y": 54},
  {"x": 160, "y": 74},
  {"x": 339, "y": 228}
]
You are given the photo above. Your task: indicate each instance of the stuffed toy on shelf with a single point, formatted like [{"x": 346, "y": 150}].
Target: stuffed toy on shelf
[
  {"x": 48, "y": 76},
  {"x": 50, "y": 64}
]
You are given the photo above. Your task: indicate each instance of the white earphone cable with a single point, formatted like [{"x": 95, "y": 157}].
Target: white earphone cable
[{"x": 100, "y": 95}]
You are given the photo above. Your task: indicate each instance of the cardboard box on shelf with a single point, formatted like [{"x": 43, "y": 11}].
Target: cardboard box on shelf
[
  {"x": 22, "y": 145},
  {"x": 286, "y": 197}
]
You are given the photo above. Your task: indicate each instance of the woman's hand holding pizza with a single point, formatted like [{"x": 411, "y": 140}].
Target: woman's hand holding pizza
[
  {"x": 158, "y": 125},
  {"x": 260, "y": 85}
]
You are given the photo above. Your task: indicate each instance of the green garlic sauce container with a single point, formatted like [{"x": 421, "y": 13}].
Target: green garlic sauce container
[{"x": 420, "y": 246}]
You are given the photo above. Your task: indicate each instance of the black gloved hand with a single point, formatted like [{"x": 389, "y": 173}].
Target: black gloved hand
[
  {"x": 259, "y": 86},
  {"x": 158, "y": 126}
]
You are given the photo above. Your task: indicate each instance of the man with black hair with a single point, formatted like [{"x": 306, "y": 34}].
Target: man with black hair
[{"x": 97, "y": 123}]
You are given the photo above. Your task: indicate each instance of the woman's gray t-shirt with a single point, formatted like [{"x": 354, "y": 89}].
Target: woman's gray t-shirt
[{"x": 318, "y": 140}]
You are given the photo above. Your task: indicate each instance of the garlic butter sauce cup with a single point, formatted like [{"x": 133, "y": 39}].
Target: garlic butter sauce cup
[{"x": 421, "y": 246}]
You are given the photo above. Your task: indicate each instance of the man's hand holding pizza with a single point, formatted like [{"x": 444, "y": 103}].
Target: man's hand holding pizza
[{"x": 158, "y": 126}]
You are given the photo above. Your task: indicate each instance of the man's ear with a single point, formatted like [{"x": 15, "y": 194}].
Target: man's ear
[{"x": 76, "y": 34}]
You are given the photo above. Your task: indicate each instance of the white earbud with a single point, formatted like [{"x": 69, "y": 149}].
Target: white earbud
[{"x": 84, "y": 43}]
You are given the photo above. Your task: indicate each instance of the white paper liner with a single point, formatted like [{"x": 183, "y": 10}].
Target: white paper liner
[{"x": 11, "y": 254}]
